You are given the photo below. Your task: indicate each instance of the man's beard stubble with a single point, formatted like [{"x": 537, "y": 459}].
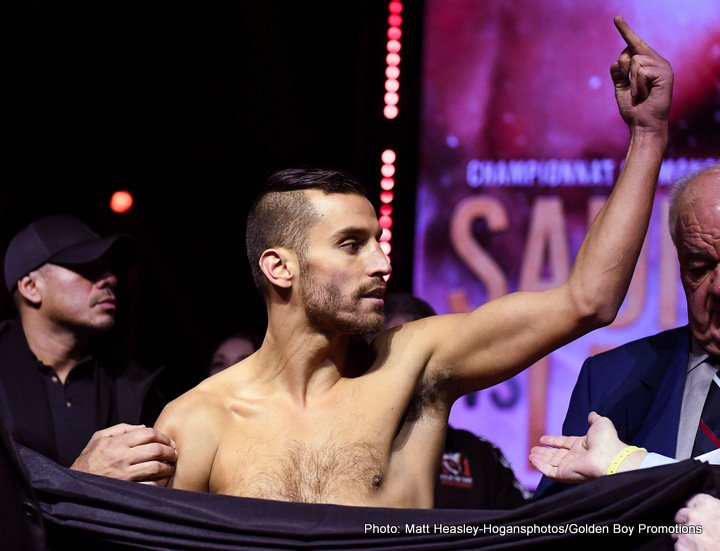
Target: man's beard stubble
[{"x": 323, "y": 310}]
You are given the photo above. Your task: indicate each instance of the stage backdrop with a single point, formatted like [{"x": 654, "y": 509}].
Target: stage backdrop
[{"x": 521, "y": 143}]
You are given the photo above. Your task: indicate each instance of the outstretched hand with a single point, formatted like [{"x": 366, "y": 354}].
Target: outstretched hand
[
  {"x": 578, "y": 458},
  {"x": 643, "y": 83},
  {"x": 129, "y": 452}
]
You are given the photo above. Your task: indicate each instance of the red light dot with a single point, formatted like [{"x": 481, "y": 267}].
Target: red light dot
[
  {"x": 386, "y": 247},
  {"x": 386, "y": 222},
  {"x": 393, "y": 46},
  {"x": 387, "y": 170},
  {"x": 386, "y": 196},
  {"x": 394, "y": 33},
  {"x": 121, "y": 201},
  {"x": 392, "y": 85},
  {"x": 395, "y": 7},
  {"x": 386, "y": 210},
  {"x": 392, "y": 59},
  {"x": 391, "y": 98},
  {"x": 390, "y": 111},
  {"x": 388, "y": 156},
  {"x": 386, "y": 235},
  {"x": 394, "y": 20},
  {"x": 387, "y": 184},
  {"x": 392, "y": 72}
]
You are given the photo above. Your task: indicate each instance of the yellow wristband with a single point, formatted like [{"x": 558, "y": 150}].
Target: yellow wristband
[{"x": 622, "y": 456}]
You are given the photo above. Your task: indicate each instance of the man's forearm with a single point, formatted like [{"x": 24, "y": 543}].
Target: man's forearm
[{"x": 606, "y": 260}]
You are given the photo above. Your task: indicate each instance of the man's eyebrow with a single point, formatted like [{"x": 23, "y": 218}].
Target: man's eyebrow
[{"x": 351, "y": 231}]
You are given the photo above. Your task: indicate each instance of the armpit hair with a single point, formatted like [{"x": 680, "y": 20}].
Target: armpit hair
[{"x": 427, "y": 395}]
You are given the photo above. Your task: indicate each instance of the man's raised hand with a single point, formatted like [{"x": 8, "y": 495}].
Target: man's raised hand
[{"x": 643, "y": 83}]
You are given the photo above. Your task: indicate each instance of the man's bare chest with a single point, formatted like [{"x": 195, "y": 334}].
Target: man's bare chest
[
  {"x": 324, "y": 459},
  {"x": 364, "y": 443}
]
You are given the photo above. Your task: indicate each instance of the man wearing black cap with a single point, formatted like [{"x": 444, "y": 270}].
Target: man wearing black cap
[{"x": 61, "y": 384}]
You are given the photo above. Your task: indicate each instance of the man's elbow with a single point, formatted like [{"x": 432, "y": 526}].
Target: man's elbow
[
  {"x": 596, "y": 311},
  {"x": 605, "y": 315}
]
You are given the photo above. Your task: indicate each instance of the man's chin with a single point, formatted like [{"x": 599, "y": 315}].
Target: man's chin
[
  {"x": 709, "y": 342},
  {"x": 372, "y": 328},
  {"x": 712, "y": 348},
  {"x": 102, "y": 325},
  {"x": 368, "y": 324}
]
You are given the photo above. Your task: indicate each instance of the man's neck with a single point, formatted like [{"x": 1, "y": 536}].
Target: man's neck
[
  {"x": 302, "y": 361},
  {"x": 55, "y": 346}
]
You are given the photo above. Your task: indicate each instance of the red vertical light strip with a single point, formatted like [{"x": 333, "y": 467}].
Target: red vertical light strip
[
  {"x": 390, "y": 112},
  {"x": 387, "y": 184},
  {"x": 392, "y": 59}
]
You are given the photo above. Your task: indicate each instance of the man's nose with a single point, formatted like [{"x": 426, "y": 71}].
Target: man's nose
[
  {"x": 108, "y": 280},
  {"x": 379, "y": 263}
]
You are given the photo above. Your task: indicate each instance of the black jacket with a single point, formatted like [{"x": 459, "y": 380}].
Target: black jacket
[{"x": 126, "y": 393}]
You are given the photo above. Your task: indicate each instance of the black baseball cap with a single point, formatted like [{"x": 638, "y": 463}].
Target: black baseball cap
[{"x": 59, "y": 239}]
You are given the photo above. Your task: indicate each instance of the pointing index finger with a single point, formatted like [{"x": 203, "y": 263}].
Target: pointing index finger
[{"x": 637, "y": 45}]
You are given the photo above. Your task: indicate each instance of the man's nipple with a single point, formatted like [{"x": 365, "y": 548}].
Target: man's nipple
[{"x": 377, "y": 482}]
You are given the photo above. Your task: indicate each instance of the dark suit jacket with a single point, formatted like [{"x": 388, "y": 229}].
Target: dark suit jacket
[
  {"x": 639, "y": 386},
  {"x": 125, "y": 392}
]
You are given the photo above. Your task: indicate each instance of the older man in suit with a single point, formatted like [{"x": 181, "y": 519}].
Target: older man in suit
[{"x": 656, "y": 390}]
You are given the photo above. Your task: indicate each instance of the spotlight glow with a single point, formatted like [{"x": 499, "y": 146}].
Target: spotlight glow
[
  {"x": 393, "y": 46},
  {"x": 393, "y": 59},
  {"x": 388, "y": 157},
  {"x": 121, "y": 202},
  {"x": 388, "y": 171},
  {"x": 392, "y": 85},
  {"x": 387, "y": 197},
  {"x": 390, "y": 111},
  {"x": 395, "y": 7}
]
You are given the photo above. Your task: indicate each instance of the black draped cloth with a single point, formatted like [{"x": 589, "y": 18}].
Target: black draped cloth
[{"x": 83, "y": 511}]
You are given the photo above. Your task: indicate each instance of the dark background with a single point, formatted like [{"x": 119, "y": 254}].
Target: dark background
[{"x": 190, "y": 105}]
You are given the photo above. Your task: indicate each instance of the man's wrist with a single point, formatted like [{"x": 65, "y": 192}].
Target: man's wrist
[
  {"x": 627, "y": 459},
  {"x": 650, "y": 137}
]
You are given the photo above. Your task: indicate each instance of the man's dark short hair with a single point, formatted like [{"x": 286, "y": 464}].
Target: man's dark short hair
[{"x": 282, "y": 214}]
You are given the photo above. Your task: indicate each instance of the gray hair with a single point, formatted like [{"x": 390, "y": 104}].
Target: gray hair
[{"x": 676, "y": 193}]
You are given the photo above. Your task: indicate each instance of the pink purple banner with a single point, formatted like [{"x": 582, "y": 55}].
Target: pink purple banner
[{"x": 521, "y": 143}]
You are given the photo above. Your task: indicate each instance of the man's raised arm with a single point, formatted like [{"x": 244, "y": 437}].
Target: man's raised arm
[{"x": 499, "y": 339}]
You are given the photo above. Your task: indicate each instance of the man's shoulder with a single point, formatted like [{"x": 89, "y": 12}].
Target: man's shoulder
[
  {"x": 196, "y": 406},
  {"x": 660, "y": 344}
]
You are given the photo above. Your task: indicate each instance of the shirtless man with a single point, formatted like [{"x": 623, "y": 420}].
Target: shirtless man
[{"x": 316, "y": 416}]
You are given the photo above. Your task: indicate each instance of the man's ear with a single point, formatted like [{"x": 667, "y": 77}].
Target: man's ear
[
  {"x": 279, "y": 266},
  {"x": 29, "y": 290}
]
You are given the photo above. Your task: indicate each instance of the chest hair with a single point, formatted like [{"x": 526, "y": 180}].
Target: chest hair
[{"x": 311, "y": 474}]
